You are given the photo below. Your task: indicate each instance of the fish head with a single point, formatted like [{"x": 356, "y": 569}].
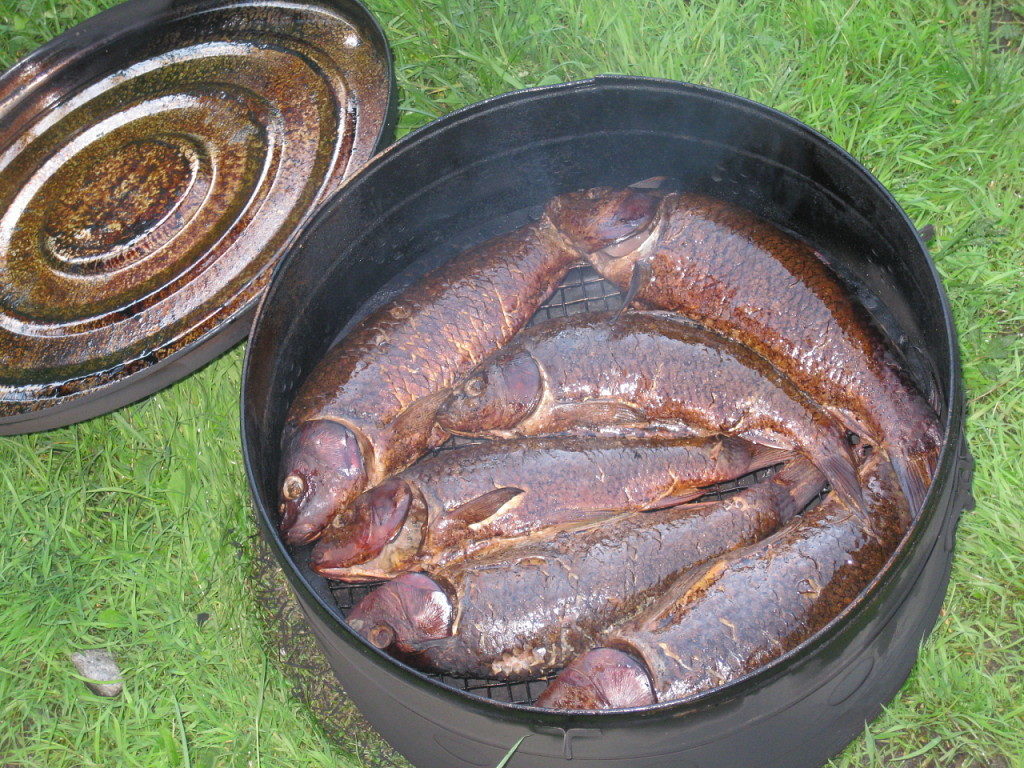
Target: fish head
[
  {"x": 605, "y": 218},
  {"x": 322, "y": 472},
  {"x": 604, "y": 678},
  {"x": 374, "y": 520},
  {"x": 404, "y": 616},
  {"x": 499, "y": 394}
]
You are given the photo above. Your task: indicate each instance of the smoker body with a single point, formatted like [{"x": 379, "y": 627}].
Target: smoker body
[{"x": 490, "y": 167}]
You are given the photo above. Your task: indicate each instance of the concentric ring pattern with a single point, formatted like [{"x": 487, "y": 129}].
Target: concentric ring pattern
[{"x": 149, "y": 178}]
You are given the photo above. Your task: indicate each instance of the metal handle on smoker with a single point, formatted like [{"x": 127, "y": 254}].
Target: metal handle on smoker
[{"x": 568, "y": 735}]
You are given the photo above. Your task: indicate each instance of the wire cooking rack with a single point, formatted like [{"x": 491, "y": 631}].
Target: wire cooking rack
[{"x": 582, "y": 290}]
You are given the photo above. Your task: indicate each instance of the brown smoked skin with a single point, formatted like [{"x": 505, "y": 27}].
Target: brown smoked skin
[
  {"x": 466, "y": 509},
  {"x": 528, "y": 609},
  {"x": 734, "y": 615},
  {"x": 650, "y": 368},
  {"x": 419, "y": 343},
  {"x": 382, "y": 380},
  {"x": 368, "y": 408},
  {"x": 743, "y": 277}
]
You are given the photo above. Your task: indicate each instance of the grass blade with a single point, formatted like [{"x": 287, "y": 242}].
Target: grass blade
[
  {"x": 181, "y": 733},
  {"x": 508, "y": 755}
]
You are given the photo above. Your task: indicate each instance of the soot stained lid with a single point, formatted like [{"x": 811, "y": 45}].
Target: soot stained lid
[{"x": 154, "y": 161}]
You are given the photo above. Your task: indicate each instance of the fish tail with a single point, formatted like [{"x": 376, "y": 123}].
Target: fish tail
[
  {"x": 802, "y": 481},
  {"x": 762, "y": 456},
  {"x": 835, "y": 460},
  {"x": 914, "y": 473},
  {"x": 913, "y": 448}
]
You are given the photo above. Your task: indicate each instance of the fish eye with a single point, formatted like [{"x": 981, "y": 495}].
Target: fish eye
[
  {"x": 474, "y": 387},
  {"x": 294, "y": 487},
  {"x": 381, "y": 636}
]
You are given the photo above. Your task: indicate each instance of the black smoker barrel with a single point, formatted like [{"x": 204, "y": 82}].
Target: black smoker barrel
[{"x": 488, "y": 168}]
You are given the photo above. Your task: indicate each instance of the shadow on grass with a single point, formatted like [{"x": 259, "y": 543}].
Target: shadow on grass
[{"x": 293, "y": 648}]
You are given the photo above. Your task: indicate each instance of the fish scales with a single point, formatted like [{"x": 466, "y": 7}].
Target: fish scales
[
  {"x": 420, "y": 342},
  {"x": 367, "y": 409},
  {"x": 745, "y": 278},
  {"x": 563, "y": 591},
  {"x": 644, "y": 369},
  {"x": 475, "y": 496},
  {"x": 727, "y": 619}
]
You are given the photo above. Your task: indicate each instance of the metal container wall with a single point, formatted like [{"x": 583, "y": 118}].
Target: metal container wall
[{"x": 486, "y": 169}]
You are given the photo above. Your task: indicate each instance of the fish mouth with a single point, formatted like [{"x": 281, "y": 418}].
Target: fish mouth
[
  {"x": 288, "y": 513},
  {"x": 375, "y": 521},
  {"x": 324, "y": 473},
  {"x": 336, "y": 557},
  {"x": 298, "y": 535},
  {"x": 638, "y": 242}
]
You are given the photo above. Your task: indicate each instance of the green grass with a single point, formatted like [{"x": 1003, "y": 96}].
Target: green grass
[{"x": 121, "y": 530}]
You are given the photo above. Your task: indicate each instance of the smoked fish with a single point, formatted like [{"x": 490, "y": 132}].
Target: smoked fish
[
  {"x": 743, "y": 277},
  {"x": 367, "y": 409},
  {"x": 527, "y": 609},
  {"x": 644, "y": 369},
  {"x": 460, "y": 501},
  {"x": 732, "y": 616}
]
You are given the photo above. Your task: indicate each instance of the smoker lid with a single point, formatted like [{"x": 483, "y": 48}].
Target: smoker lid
[{"x": 154, "y": 162}]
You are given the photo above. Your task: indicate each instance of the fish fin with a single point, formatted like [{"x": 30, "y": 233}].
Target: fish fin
[
  {"x": 840, "y": 469},
  {"x": 674, "y": 501},
  {"x": 421, "y": 414},
  {"x": 640, "y": 277},
  {"x": 852, "y": 424},
  {"x": 596, "y": 413},
  {"x": 462, "y": 522},
  {"x": 657, "y": 430},
  {"x": 437, "y": 436},
  {"x": 654, "y": 182},
  {"x": 927, "y": 233},
  {"x": 477, "y": 511},
  {"x": 762, "y": 456},
  {"x": 914, "y": 475},
  {"x": 934, "y": 396},
  {"x": 802, "y": 481},
  {"x": 690, "y": 507}
]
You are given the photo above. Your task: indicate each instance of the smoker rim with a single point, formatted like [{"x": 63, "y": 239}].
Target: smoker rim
[{"x": 952, "y": 419}]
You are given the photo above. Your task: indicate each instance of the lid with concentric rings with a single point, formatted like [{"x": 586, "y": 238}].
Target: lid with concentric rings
[{"x": 154, "y": 162}]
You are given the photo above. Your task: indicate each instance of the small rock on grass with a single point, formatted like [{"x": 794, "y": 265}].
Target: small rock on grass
[{"x": 98, "y": 665}]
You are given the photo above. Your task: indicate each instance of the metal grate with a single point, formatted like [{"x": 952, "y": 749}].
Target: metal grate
[{"x": 582, "y": 290}]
